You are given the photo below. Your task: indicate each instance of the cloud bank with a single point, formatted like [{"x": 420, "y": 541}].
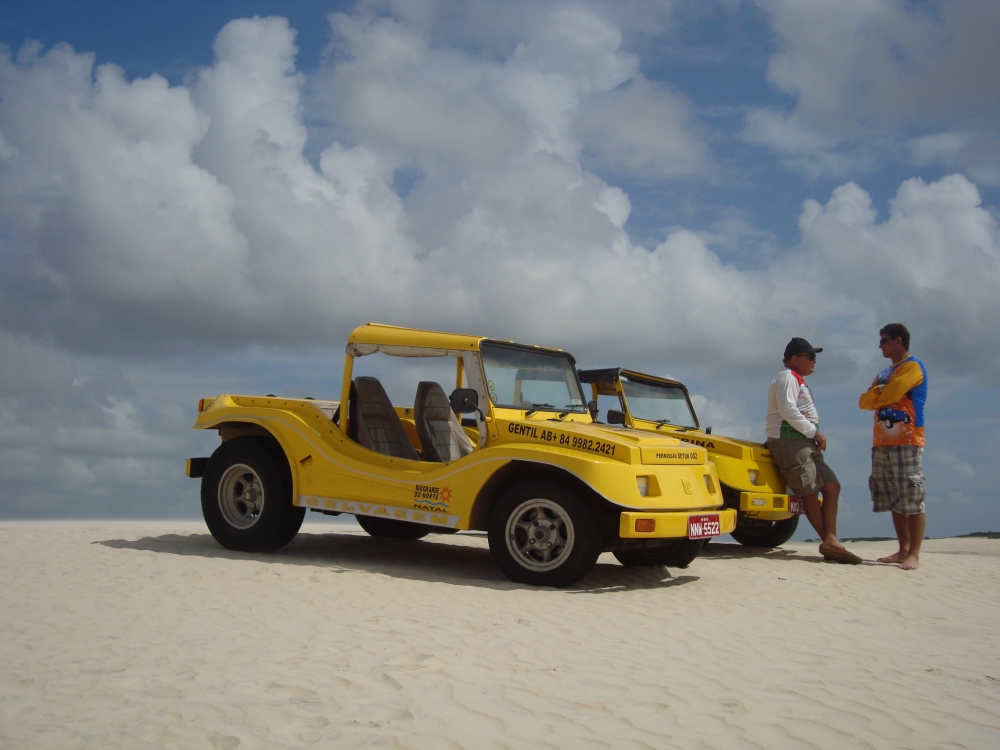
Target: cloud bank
[
  {"x": 143, "y": 216},
  {"x": 918, "y": 82}
]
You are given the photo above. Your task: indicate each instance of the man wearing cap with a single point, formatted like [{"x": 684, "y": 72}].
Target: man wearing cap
[
  {"x": 897, "y": 397},
  {"x": 794, "y": 439}
]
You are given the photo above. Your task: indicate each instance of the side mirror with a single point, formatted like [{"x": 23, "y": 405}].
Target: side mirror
[
  {"x": 616, "y": 417},
  {"x": 592, "y": 408},
  {"x": 464, "y": 401}
]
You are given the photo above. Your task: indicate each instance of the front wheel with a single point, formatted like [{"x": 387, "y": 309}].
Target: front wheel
[
  {"x": 392, "y": 529},
  {"x": 753, "y": 532},
  {"x": 246, "y": 498},
  {"x": 543, "y": 534}
]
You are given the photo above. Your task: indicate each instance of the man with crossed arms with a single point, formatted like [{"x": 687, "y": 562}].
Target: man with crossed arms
[{"x": 897, "y": 397}]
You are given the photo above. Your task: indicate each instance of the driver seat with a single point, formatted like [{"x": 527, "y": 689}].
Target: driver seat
[
  {"x": 379, "y": 427},
  {"x": 441, "y": 435}
]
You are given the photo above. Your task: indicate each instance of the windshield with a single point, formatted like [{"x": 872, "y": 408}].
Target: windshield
[
  {"x": 659, "y": 403},
  {"x": 531, "y": 380}
]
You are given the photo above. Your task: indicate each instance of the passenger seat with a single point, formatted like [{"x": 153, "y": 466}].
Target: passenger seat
[{"x": 441, "y": 435}]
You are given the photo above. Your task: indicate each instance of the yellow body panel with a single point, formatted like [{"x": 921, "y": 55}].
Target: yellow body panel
[
  {"x": 332, "y": 472},
  {"x": 735, "y": 471},
  {"x": 743, "y": 466}
]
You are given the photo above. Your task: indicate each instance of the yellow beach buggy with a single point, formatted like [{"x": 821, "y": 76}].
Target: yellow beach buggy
[
  {"x": 526, "y": 465},
  {"x": 751, "y": 482}
]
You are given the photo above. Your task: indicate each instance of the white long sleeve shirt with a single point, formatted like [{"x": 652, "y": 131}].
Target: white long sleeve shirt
[{"x": 791, "y": 412}]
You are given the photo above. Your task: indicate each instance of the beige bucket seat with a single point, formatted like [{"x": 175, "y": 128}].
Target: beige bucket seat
[
  {"x": 441, "y": 434},
  {"x": 379, "y": 427}
]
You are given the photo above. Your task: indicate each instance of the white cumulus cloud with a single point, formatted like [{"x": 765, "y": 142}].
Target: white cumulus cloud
[
  {"x": 934, "y": 263},
  {"x": 862, "y": 73}
]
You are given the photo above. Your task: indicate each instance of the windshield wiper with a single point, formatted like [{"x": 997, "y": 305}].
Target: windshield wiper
[
  {"x": 667, "y": 421},
  {"x": 536, "y": 407}
]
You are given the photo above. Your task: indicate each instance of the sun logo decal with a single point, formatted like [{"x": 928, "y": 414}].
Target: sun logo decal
[{"x": 445, "y": 494}]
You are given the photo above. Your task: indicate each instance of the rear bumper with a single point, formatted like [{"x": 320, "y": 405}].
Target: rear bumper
[
  {"x": 766, "y": 506},
  {"x": 671, "y": 524}
]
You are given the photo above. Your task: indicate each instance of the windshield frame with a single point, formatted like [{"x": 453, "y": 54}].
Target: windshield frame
[
  {"x": 630, "y": 377},
  {"x": 486, "y": 345}
]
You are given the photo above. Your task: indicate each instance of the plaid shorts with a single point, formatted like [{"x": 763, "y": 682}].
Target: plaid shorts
[{"x": 897, "y": 480}]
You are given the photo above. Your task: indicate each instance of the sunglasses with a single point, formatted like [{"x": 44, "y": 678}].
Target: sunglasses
[{"x": 883, "y": 342}]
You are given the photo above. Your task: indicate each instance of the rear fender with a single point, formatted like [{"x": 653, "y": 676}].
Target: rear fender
[
  {"x": 267, "y": 440},
  {"x": 231, "y": 430}
]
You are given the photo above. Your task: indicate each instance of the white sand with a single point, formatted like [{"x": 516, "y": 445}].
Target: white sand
[{"x": 117, "y": 634}]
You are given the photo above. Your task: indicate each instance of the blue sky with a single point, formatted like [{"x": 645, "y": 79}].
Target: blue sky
[{"x": 194, "y": 200}]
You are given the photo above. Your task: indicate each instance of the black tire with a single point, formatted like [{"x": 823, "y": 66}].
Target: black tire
[
  {"x": 542, "y": 533},
  {"x": 246, "y": 497},
  {"x": 393, "y": 529},
  {"x": 678, "y": 554},
  {"x": 640, "y": 558},
  {"x": 684, "y": 553},
  {"x": 753, "y": 532}
]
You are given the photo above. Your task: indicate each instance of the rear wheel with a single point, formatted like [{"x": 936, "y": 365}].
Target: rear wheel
[
  {"x": 754, "y": 532},
  {"x": 543, "y": 534},
  {"x": 246, "y": 498},
  {"x": 678, "y": 554},
  {"x": 685, "y": 552},
  {"x": 393, "y": 529},
  {"x": 638, "y": 558}
]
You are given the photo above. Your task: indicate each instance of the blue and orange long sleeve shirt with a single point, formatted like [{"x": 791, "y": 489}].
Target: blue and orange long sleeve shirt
[{"x": 897, "y": 397}]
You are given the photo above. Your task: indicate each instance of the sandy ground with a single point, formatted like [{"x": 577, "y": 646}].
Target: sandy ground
[{"x": 122, "y": 634}]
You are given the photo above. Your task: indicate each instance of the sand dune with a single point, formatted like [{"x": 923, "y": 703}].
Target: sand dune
[{"x": 120, "y": 634}]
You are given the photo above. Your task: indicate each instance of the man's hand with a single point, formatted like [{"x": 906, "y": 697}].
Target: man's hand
[{"x": 820, "y": 439}]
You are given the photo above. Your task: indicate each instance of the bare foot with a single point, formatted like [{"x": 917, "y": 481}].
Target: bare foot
[
  {"x": 896, "y": 558},
  {"x": 910, "y": 563}
]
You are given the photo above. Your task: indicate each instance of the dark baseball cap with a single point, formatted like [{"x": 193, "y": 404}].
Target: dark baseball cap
[{"x": 800, "y": 346}]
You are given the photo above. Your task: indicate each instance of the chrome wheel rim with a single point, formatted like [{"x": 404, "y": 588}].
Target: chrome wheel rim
[
  {"x": 241, "y": 496},
  {"x": 540, "y": 534}
]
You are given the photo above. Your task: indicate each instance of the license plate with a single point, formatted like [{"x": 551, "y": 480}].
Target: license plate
[
  {"x": 795, "y": 505},
  {"x": 703, "y": 527}
]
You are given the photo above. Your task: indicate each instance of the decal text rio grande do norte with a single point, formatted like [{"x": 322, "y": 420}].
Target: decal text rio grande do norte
[{"x": 429, "y": 497}]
